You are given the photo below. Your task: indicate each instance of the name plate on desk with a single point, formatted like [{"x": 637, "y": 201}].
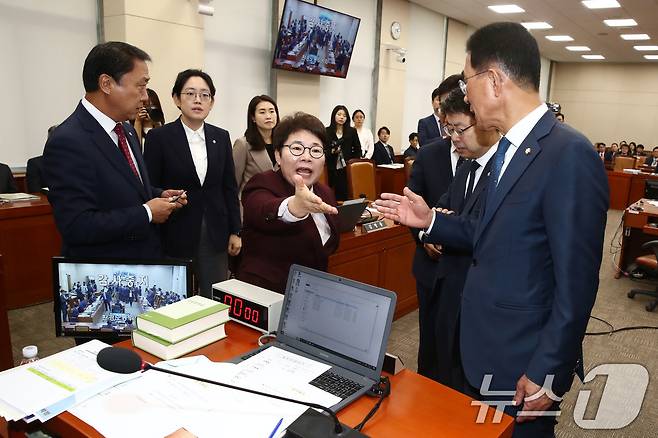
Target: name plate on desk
[{"x": 374, "y": 226}]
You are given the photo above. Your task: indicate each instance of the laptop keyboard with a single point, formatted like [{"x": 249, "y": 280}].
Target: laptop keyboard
[{"x": 337, "y": 385}]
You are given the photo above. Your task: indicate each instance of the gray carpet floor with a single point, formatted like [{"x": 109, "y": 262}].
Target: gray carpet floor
[{"x": 34, "y": 325}]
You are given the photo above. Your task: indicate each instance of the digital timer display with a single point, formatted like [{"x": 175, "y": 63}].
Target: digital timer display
[{"x": 245, "y": 311}]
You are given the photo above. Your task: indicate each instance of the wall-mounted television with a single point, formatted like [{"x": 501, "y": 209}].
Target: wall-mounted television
[
  {"x": 100, "y": 298},
  {"x": 315, "y": 39}
]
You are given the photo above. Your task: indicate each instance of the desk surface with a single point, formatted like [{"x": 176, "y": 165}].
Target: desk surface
[{"x": 416, "y": 407}]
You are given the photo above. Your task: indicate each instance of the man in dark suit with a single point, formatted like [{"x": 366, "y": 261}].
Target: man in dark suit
[
  {"x": 430, "y": 128},
  {"x": 383, "y": 153},
  {"x": 463, "y": 198},
  {"x": 34, "y": 180},
  {"x": 100, "y": 191},
  {"x": 7, "y": 182},
  {"x": 431, "y": 174},
  {"x": 653, "y": 159},
  {"x": 195, "y": 155},
  {"x": 538, "y": 243}
]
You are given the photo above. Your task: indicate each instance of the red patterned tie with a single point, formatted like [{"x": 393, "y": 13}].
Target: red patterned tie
[{"x": 123, "y": 145}]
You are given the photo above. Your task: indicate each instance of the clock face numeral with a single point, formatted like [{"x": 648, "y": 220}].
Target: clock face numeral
[{"x": 243, "y": 310}]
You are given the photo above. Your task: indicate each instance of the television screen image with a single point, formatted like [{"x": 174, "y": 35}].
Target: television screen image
[
  {"x": 314, "y": 39},
  {"x": 102, "y": 298}
]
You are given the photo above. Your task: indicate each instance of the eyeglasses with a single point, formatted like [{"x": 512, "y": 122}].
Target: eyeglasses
[
  {"x": 462, "y": 83},
  {"x": 204, "y": 96},
  {"x": 297, "y": 148},
  {"x": 449, "y": 130}
]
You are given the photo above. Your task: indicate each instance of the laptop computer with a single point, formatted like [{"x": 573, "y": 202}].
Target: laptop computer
[
  {"x": 349, "y": 213},
  {"x": 339, "y": 322}
]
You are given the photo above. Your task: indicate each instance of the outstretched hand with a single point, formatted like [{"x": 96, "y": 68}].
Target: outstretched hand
[
  {"x": 409, "y": 209},
  {"x": 306, "y": 202}
]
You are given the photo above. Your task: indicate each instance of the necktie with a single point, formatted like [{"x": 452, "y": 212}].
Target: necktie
[
  {"x": 123, "y": 145},
  {"x": 471, "y": 180}
]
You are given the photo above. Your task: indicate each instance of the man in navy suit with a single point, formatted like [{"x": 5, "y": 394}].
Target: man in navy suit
[
  {"x": 464, "y": 198},
  {"x": 537, "y": 245},
  {"x": 431, "y": 174},
  {"x": 383, "y": 152},
  {"x": 430, "y": 128},
  {"x": 100, "y": 191}
]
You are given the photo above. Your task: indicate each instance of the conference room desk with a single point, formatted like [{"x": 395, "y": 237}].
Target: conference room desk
[
  {"x": 417, "y": 406},
  {"x": 28, "y": 241},
  {"x": 637, "y": 229},
  {"x": 390, "y": 180},
  {"x": 380, "y": 258},
  {"x": 627, "y": 188}
]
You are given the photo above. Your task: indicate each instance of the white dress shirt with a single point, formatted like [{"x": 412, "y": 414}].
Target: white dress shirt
[
  {"x": 367, "y": 142},
  {"x": 197, "y": 142},
  {"x": 482, "y": 161},
  {"x": 454, "y": 158},
  {"x": 108, "y": 126},
  {"x": 320, "y": 220}
]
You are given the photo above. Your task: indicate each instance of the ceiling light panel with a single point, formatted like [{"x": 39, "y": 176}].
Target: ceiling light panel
[
  {"x": 645, "y": 48},
  {"x": 559, "y": 38},
  {"x": 535, "y": 25},
  {"x": 506, "y": 9},
  {"x": 635, "y": 36},
  {"x": 624, "y": 22},
  {"x": 593, "y": 56},
  {"x": 578, "y": 48},
  {"x": 601, "y": 4},
  {"x": 650, "y": 56}
]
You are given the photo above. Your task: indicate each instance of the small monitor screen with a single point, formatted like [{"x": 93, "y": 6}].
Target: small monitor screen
[
  {"x": 314, "y": 39},
  {"x": 101, "y": 298}
]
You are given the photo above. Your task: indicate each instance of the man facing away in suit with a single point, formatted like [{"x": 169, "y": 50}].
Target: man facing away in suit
[
  {"x": 431, "y": 174},
  {"x": 537, "y": 245},
  {"x": 102, "y": 199},
  {"x": 430, "y": 128},
  {"x": 463, "y": 198}
]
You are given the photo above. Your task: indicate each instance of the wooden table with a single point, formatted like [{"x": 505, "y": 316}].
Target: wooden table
[
  {"x": 627, "y": 188},
  {"x": 28, "y": 241},
  {"x": 381, "y": 258},
  {"x": 417, "y": 406},
  {"x": 637, "y": 230}
]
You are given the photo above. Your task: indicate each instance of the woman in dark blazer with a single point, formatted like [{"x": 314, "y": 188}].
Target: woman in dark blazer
[
  {"x": 197, "y": 157},
  {"x": 342, "y": 145},
  {"x": 289, "y": 217}
]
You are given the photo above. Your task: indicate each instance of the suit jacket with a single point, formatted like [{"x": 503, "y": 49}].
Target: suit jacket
[
  {"x": 248, "y": 162},
  {"x": 271, "y": 246},
  {"x": 33, "y": 175},
  {"x": 537, "y": 251},
  {"x": 431, "y": 174},
  {"x": 452, "y": 268},
  {"x": 383, "y": 154},
  {"x": 7, "y": 182},
  {"x": 410, "y": 152},
  {"x": 351, "y": 147},
  {"x": 428, "y": 130},
  {"x": 651, "y": 161},
  {"x": 609, "y": 156},
  {"x": 169, "y": 160},
  {"x": 97, "y": 201}
]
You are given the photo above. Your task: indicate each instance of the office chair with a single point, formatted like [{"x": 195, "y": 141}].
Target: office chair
[
  {"x": 361, "y": 179},
  {"x": 622, "y": 163},
  {"x": 650, "y": 263}
]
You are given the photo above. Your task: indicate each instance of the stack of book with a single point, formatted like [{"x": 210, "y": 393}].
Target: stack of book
[{"x": 175, "y": 330}]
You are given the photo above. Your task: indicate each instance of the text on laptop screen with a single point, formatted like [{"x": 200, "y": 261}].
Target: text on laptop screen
[{"x": 336, "y": 317}]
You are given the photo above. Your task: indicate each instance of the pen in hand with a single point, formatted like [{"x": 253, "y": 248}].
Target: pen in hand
[{"x": 177, "y": 197}]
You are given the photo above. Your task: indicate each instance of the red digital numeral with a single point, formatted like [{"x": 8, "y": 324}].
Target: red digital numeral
[
  {"x": 247, "y": 313},
  {"x": 228, "y": 300},
  {"x": 237, "y": 307},
  {"x": 254, "y": 316}
]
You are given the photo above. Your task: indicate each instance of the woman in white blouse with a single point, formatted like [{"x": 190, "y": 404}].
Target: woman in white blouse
[{"x": 365, "y": 135}]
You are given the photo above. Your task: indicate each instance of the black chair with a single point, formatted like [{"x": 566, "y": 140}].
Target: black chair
[{"x": 650, "y": 263}]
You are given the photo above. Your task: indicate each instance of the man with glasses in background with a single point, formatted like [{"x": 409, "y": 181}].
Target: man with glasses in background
[
  {"x": 100, "y": 191},
  {"x": 537, "y": 245},
  {"x": 431, "y": 174}
]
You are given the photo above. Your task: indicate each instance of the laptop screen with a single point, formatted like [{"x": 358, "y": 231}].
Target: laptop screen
[{"x": 338, "y": 316}]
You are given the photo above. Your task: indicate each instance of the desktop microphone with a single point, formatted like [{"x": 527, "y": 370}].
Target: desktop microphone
[{"x": 309, "y": 424}]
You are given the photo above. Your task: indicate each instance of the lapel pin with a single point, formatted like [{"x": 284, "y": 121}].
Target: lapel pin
[
  {"x": 527, "y": 151},
  {"x": 130, "y": 133},
  {"x": 214, "y": 141}
]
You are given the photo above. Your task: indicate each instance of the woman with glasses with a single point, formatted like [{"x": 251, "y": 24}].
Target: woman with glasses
[
  {"x": 197, "y": 157},
  {"x": 342, "y": 145},
  {"x": 289, "y": 217},
  {"x": 253, "y": 153}
]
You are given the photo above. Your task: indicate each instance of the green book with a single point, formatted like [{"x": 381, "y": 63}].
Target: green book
[{"x": 183, "y": 319}]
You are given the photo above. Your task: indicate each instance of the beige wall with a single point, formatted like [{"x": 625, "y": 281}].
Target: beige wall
[
  {"x": 170, "y": 31},
  {"x": 458, "y": 34},
  {"x": 609, "y": 102}
]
